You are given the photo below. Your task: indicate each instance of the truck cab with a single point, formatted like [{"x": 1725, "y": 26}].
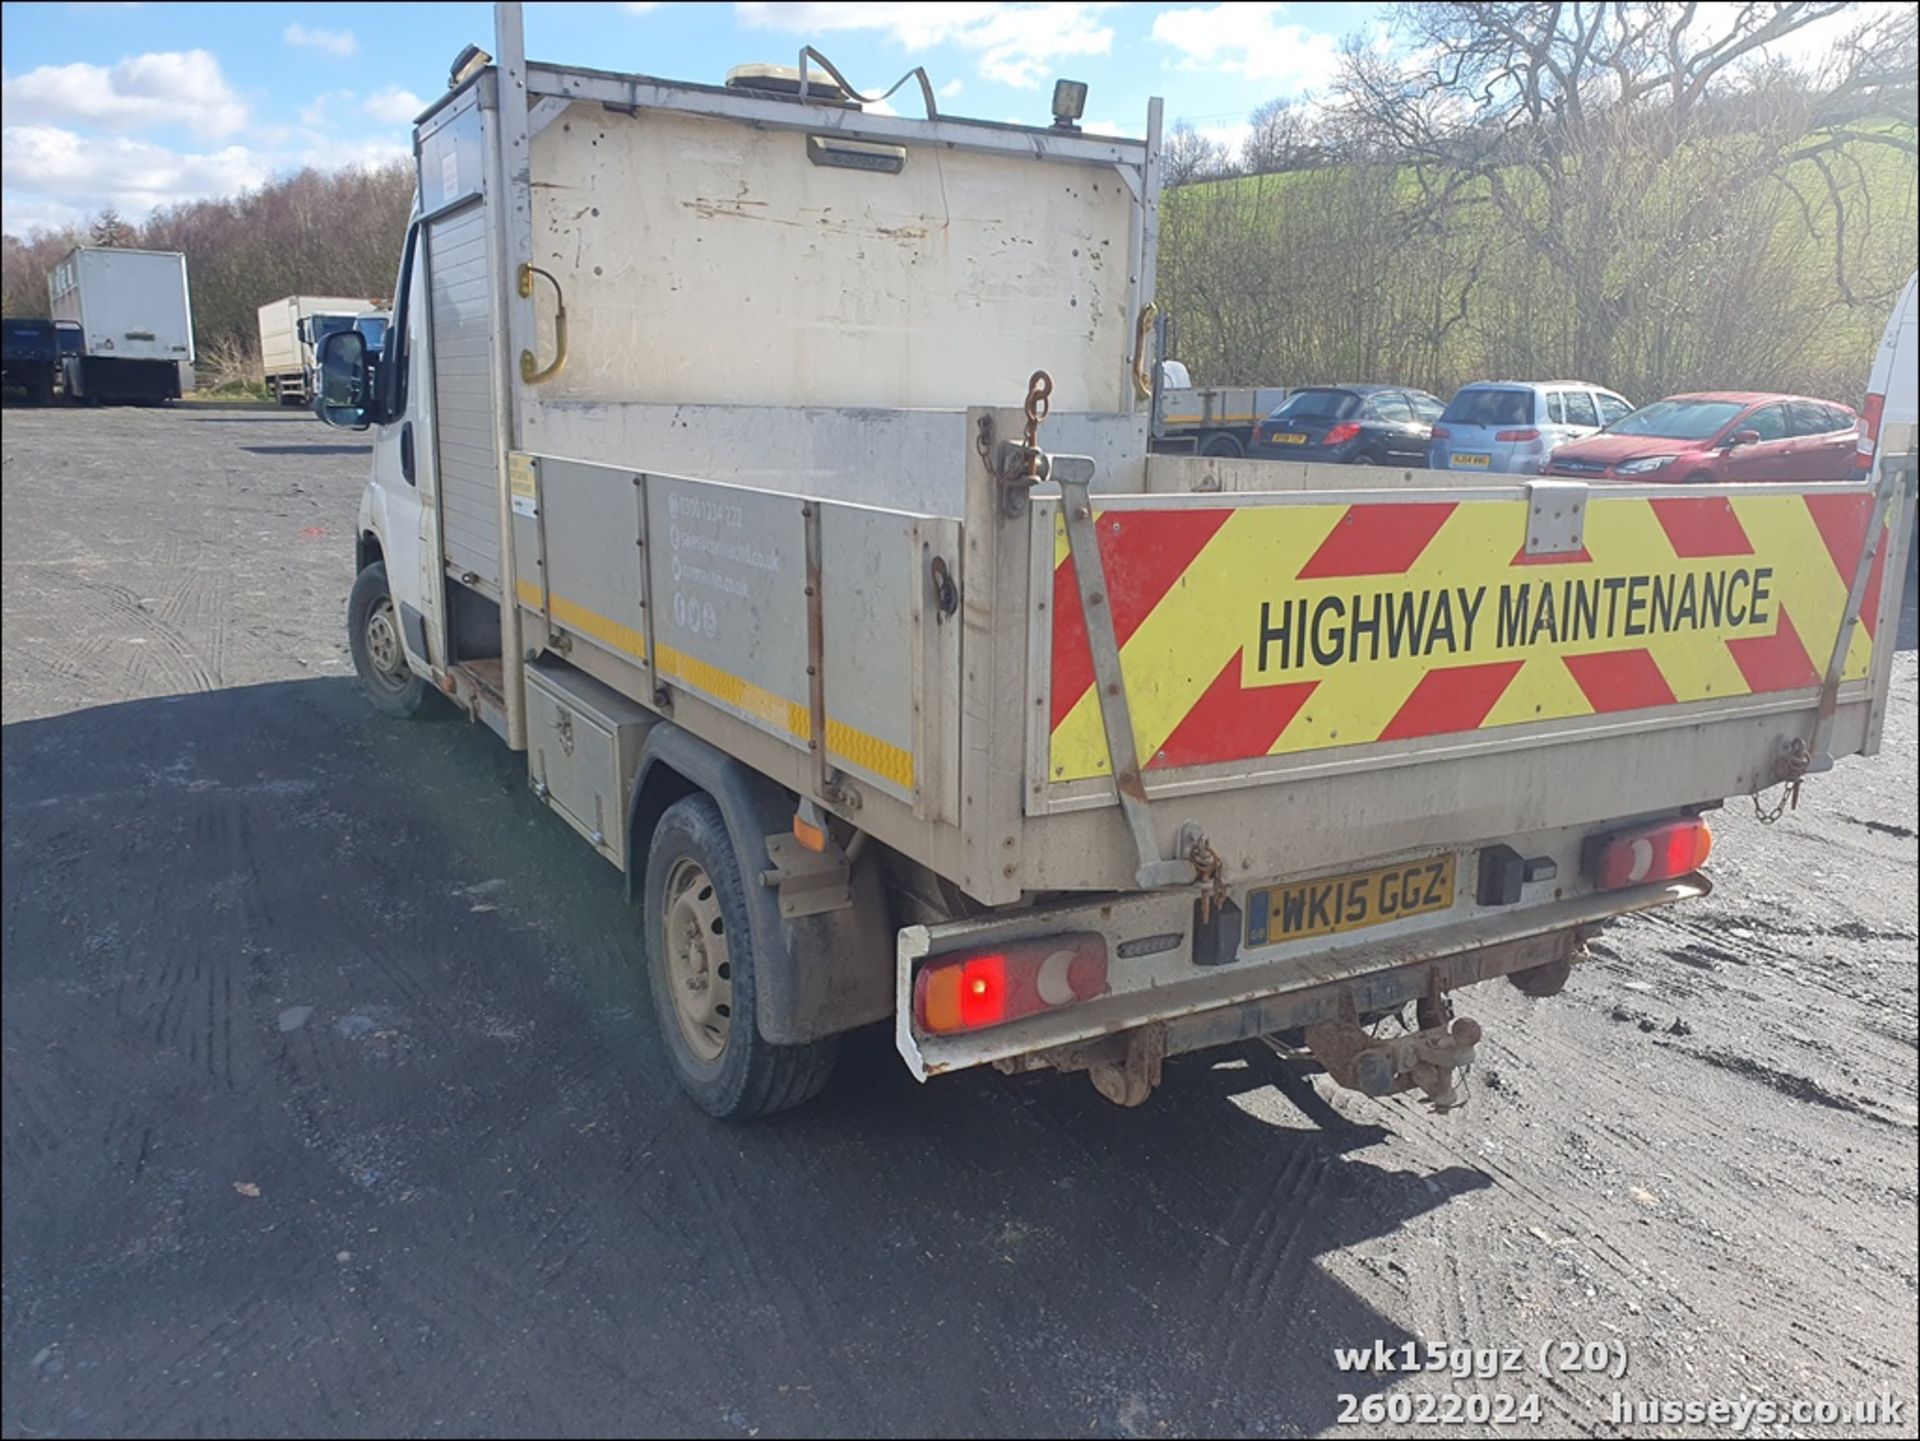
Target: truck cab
[{"x": 31, "y": 357}]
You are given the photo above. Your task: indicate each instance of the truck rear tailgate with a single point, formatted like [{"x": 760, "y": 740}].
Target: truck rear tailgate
[{"x": 1317, "y": 678}]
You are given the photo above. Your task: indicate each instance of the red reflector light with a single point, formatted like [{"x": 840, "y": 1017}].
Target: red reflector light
[
  {"x": 1341, "y": 433},
  {"x": 970, "y": 991},
  {"x": 1653, "y": 853},
  {"x": 1869, "y": 430},
  {"x": 1440, "y": 432},
  {"x": 1516, "y": 435}
]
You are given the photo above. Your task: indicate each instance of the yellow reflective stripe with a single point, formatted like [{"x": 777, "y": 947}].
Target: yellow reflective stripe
[
  {"x": 870, "y": 753},
  {"x": 851, "y": 744},
  {"x": 736, "y": 691},
  {"x": 575, "y": 616}
]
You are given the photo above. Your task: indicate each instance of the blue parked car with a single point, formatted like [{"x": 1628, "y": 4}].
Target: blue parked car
[
  {"x": 1350, "y": 425},
  {"x": 1512, "y": 426}
]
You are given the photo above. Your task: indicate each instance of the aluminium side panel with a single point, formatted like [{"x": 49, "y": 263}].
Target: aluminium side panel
[
  {"x": 279, "y": 350},
  {"x": 727, "y": 577},
  {"x": 868, "y": 573}
]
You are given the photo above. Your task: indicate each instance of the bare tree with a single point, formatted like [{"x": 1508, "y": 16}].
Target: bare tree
[
  {"x": 1282, "y": 138},
  {"x": 1186, "y": 156},
  {"x": 1613, "y": 141}
]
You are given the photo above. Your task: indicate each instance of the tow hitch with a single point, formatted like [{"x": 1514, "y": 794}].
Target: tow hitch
[{"x": 1430, "y": 1059}]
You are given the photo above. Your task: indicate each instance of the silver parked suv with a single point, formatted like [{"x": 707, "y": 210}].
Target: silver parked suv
[{"x": 1513, "y": 425}]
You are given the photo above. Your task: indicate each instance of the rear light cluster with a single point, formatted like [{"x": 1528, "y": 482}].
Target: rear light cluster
[
  {"x": 1341, "y": 433},
  {"x": 1869, "y": 430},
  {"x": 1440, "y": 432},
  {"x": 1511, "y": 436},
  {"x": 986, "y": 988},
  {"x": 1649, "y": 853}
]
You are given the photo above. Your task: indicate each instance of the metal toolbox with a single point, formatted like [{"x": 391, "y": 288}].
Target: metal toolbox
[{"x": 583, "y": 744}]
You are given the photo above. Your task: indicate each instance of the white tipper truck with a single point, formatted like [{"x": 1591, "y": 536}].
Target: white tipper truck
[
  {"x": 1216, "y": 420},
  {"x": 774, "y": 473},
  {"x": 289, "y": 329},
  {"x": 135, "y": 319}
]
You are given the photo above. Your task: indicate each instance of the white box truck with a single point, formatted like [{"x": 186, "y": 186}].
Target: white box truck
[
  {"x": 289, "y": 329},
  {"x": 136, "y": 323},
  {"x": 774, "y": 473}
]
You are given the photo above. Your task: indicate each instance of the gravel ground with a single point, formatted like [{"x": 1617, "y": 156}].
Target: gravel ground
[{"x": 333, "y": 1105}]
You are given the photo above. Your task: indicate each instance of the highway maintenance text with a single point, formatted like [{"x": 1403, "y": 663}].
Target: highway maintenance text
[{"x": 1420, "y": 622}]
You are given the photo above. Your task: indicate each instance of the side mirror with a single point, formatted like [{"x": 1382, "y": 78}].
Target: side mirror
[
  {"x": 1743, "y": 437},
  {"x": 346, "y": 381}
]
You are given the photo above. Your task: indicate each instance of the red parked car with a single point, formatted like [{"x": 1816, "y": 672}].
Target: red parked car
[{"x": 1717, "y": 435}]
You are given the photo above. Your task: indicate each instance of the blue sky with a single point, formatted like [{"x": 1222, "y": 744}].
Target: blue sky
[{"x": 137, "y": 105}]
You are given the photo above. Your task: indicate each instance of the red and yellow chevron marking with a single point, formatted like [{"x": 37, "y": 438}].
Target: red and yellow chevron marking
[{"x": 1264, "y": 630}]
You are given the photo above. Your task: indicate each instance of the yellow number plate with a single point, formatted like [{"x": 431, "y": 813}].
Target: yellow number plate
[
  {"x": 1285, "y": 439},
  {"x": 1349, "y": 903},
  {"x": 1472, "y": 462}
]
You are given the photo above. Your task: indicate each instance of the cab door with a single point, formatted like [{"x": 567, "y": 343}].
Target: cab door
[
  {"x": 1822, "y": 444},
  {"x": 404, "y": 492},
  {"x": 1768, "y": 458}
]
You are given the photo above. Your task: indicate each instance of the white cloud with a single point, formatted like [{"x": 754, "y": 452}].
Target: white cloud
[
  {"x": 166, "y": 88},
  {"x": 327, "y": 154},
  {"x": 952, "y": 88},
  {"x": 51, "y": 167},
  {"x": 327, "y": 42},
  {"x": 1247, "y": 40},
  {"x": 1017, "y": 44},
  {"x": 315, "y": 115},
  {"x": 394, "y": 105}
]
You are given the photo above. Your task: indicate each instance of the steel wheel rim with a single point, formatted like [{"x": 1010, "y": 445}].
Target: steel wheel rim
[
  {"x": 699, "y": 966},
  {"x": 383, "y": 641}
]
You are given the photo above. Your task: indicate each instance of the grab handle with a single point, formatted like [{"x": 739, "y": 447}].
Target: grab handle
[{"x": 530, "y": 369}]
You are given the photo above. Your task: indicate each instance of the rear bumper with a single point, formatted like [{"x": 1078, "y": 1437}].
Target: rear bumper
[
  {"x": 1501, "y": 460},
  {"x": 109, "y": 377},
  {"x": 1216, "y": 1005},
  {"x": 1306, "y": 454}
]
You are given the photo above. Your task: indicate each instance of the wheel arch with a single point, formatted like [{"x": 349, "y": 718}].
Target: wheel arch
[{"x": 816, "y": 975}]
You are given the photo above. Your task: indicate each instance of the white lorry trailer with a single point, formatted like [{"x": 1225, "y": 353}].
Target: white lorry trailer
[
  {"x": 135, "y": 319},
  {"x": 290, "y": 328},
  {"x": 714, "y": 468}
]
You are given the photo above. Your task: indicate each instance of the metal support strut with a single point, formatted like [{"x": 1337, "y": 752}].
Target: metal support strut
[
  {"x": 1894, "y": 473},
  {"x": 1073, "y": 473}
]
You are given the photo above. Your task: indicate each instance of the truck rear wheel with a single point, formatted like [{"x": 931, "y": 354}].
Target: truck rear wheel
[
  {"x": 379, "y": 659},
  {"x": 700, "y": 970}
]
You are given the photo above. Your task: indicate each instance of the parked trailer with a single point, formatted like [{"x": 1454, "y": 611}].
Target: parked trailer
[
  {"x": 861, "y": 631},
  {"x": 136, "y": 323},
  {"x": 289, "y": 329}
]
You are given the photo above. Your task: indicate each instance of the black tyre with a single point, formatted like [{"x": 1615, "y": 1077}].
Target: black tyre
[
  {"x": 1364, "y": 457},
  {"x": 373, "y": 634},
  {"x": 700, "y": 970},
  {"x": 1224, "y": 446}
]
